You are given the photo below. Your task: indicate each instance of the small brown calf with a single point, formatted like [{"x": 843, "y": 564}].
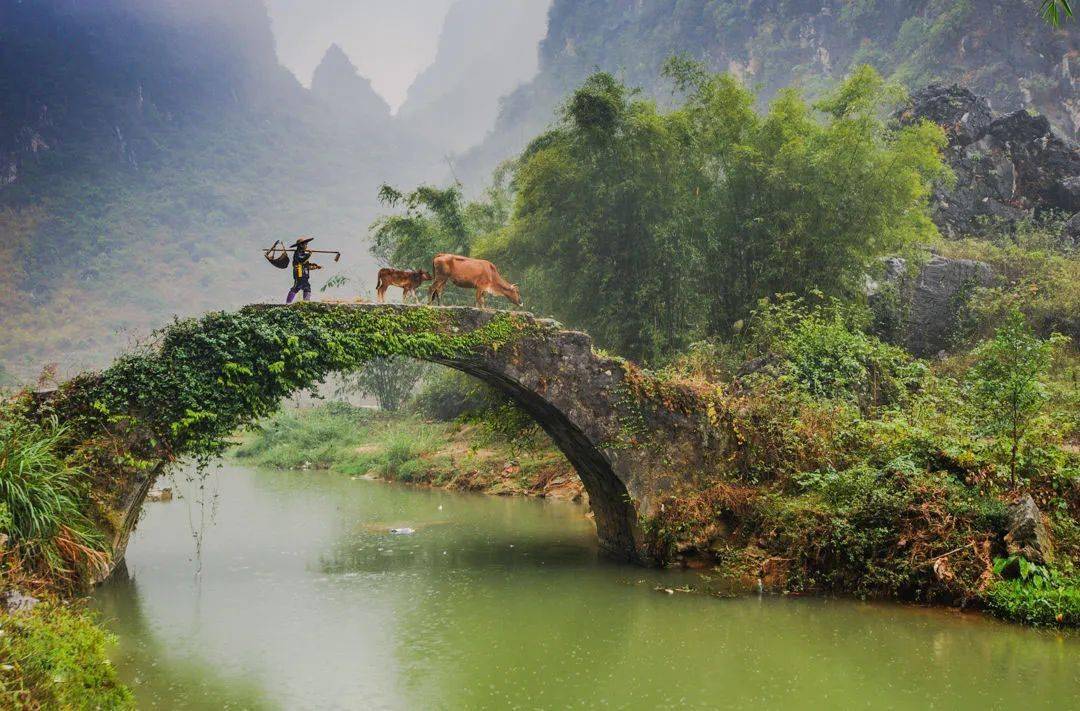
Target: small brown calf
[{"x": 408, "y": 279}]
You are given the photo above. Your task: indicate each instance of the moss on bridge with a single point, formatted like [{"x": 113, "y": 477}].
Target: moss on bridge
[
  {"x": 185, "y": 393},
  {"x": 200, "y": 379}
]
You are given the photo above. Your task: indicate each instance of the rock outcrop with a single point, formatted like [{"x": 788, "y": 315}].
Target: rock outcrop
[
  {"x": 15, "y": 601},
  {"x": 1070, "y": 234},
  {"x": 1009, "y": 168},
  {"x": 926, "y": 304},
  {"x": 1027, "y": 536}
]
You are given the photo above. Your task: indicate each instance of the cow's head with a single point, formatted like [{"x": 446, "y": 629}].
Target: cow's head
[
  {"x": 425, "y": 276},
  {"x": 514, "y": 294}
]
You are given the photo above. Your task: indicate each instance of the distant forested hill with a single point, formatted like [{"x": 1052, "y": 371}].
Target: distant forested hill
[
  {"x": 148, "y": 148},
  {"x": 998, "y": 48}
]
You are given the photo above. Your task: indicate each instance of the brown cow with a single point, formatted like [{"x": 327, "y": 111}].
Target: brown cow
[
  {"x": 408, "y": 279},
  {"x": 470, "y": 273}
]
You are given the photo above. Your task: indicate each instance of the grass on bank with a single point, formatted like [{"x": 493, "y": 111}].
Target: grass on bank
[
  {"x": 464, "y": 453},
  {"x": 43, "y": 504},
  {"x": 55, "y": 657}
]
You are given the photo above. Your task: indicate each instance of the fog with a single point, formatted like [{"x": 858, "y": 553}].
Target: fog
[{"x": 389, "y": 41}]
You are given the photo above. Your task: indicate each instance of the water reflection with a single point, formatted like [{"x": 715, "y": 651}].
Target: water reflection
[
  {"x": 188, "y": 683},
  {"x": 306, "y": 600}
]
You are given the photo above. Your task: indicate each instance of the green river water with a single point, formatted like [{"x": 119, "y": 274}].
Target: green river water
[{"x": 301, "y": 598}]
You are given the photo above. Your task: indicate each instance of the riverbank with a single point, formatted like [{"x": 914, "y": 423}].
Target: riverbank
[
  {"x": 824, "y": 460},
  {"x": 53, "y": 652},
  {"x": 407, "y": 448},
  {"x": 793, "y": 527}
]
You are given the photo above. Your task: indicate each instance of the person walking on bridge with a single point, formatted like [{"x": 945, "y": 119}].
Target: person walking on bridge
[{"x": 301, "y": 269}]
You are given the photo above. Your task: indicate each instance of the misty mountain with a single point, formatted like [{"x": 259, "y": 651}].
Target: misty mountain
[
  {"x": 148, "y": 149},
  {"x": 338, "y": 83},
  {"x": 998, "y": 48},
  {"x": 486, "y": 49}
]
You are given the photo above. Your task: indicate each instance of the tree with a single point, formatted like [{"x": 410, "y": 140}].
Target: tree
[
  {"x": 1006, "y": 382},
  {"x": 389, "y": 380},
  {"x": 596, "y": 229},
  {"x": 436, "y": 220},
  {"x": 433, "y": 222},
  {"x": 652, "y": 230}
]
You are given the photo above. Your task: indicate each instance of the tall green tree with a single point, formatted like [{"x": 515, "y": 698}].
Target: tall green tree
[
  {"x": 653, "y": 229},
  {"x": 806, "y": 197},
  {"x": 436, "y": 220},
  {"x": 597, "y": 236}
]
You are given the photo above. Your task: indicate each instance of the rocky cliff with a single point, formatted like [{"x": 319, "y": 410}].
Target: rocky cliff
[
  {"x": 1001, "y": 49},
  {"x": 1008, "y": 168}
]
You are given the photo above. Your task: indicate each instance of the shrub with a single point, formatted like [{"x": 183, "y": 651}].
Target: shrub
[
  {"x": 1041, "y": 275},
  {"x": 57, "y": 659},
  {"x": 1036, "y": 594},
  {"x": 1007, "y": 384},
  {"x": 710, "y": 361},
  {"x": 882, "y": 532},
  {"x": 449, "y": 395},
  {"x": 826, "y": 354},
  {"x": 44, "y": 501},
  {"x": 454, "y": 396}
]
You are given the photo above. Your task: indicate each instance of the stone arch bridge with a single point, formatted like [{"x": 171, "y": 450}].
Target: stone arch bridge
[{"x": 183, "y": 394}]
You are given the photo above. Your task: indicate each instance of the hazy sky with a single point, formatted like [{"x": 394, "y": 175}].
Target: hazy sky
[{"x": 390, "y": 41}]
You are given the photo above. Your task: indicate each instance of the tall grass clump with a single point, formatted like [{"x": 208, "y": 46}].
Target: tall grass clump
[{"x": 43, "y": 500}]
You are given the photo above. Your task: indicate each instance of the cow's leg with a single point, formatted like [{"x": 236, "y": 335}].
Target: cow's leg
[
  {"x": 436, "y": 291},
  {"x": 479, "y": 298},
  {"x": 380, "y": 293}
]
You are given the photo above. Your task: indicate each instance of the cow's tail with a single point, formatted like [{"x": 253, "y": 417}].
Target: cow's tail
[{"x": 381, "y": 285}]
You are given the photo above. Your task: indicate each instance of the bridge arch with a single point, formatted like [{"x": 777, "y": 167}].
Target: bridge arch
[{"x": 201, "y": 379}]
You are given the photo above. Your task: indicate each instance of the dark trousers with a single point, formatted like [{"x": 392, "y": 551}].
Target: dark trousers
[{"x": 301, "y": 284}]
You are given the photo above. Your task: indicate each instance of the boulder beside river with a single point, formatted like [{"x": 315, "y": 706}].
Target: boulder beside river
[{"x": 1027, "y": 536}]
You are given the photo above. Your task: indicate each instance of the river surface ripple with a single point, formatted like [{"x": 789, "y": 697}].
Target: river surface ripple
[{"x": 300, "y": 597}]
